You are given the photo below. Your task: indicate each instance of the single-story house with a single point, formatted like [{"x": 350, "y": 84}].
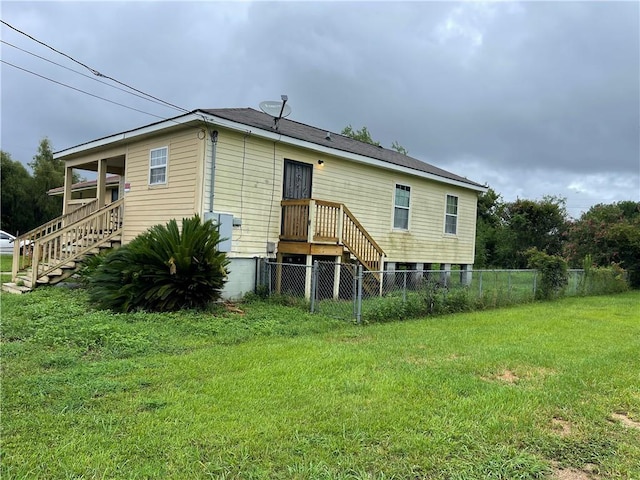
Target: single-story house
[{"x": 279, "y": 189}]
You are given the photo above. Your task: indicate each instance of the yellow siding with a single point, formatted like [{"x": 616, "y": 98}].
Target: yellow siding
[
  {"x": 147, "y": 205},
  {"x": 248, "y": 184}
]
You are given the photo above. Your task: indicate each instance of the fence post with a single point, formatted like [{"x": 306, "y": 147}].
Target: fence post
[
  {"x": 314, "y": 284},
  {"x": 404, "y": 287},
  {"x": 535, "y": 279},
  {"x": 480, "y": 284},
  {"x": 359, "y": 297},
  {"x": 355, "y": 292}
]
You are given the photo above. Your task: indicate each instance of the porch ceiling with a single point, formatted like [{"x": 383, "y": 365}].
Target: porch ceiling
[{"x": 115, "y": 164}]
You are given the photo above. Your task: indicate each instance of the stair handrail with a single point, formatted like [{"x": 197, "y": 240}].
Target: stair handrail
[
  {"x": 37, "y": 249},
  {"x": 363, "y": 231},
  {"x": 34, "y": 246},
  {"x": 26, "y": 240}
]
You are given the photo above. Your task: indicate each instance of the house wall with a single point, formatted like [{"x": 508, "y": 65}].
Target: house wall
[
  {"x": 148, "y": 205},
  {"x": 248, "y": 184}
]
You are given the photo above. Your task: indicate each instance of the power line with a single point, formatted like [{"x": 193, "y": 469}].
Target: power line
[
  {"x": 92, "y": 70},
  {"x": 81, "y": 91},
  {"x": 84, "y": 75}
]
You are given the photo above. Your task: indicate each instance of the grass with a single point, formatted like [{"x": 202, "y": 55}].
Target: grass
[
  {"x": 5, "y": 263},
  {"x": 278, "y": 393}
]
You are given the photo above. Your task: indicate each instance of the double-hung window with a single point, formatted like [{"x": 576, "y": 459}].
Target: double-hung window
[
  {"x": 401, "y": 207},
  {"x": 158, "y": 166},
  {"x": 451, "y": 215}
]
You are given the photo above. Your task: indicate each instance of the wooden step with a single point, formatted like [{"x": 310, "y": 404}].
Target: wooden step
[{"x": 14, "y": 288}]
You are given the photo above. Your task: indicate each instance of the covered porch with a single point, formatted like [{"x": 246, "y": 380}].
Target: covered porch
[
  {"x": 50, "y": 252},
  {"x": 108, "y": 186}
]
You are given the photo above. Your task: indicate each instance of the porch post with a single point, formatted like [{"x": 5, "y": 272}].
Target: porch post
[
  {"x": 419, "y": 274},
  {"x": 68, "y": 182},
  {"x": 465, "y": 274},
  {"x": 381, "y": 291},
  {"x": 307, "y": 277},
  {"x": 445, "y": 273},
  {"x": 121, "y": 187},
  {"x": 390, "y": 274},
  {"x": 311, "y": 225},
  {"x": 278, "y": 272},
  {"x": 336, "y": 277},
  {"x": 340, "y": 225},
  {"x": 101, "y": 186}
]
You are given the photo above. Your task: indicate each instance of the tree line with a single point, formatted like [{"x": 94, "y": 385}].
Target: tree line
[
  {"x": 508, "y": 232},
  {"x": 25, "y": 203},
  {"x": 605, "y": 235}
]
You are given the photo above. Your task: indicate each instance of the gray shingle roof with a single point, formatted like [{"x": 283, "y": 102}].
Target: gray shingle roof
[{"x": 300, "y": 131}]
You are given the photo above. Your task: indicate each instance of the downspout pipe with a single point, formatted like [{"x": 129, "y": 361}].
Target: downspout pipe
[{"x": 214, "y": 143}]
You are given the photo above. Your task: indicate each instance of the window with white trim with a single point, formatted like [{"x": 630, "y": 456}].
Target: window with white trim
[
  {"x": 401, "y": 207},
  {"x": 158, "y": 166},
  {"x": 451, "y": 215}
]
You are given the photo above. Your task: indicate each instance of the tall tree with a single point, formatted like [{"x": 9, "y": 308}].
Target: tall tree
[
  {"x": 489, "y": 222},
  {"x": 609, "y": 233},
  {"x": 529, "y": 224},
  {"x": 16, "y": 196},
  {"x": 399, "y": 148},
  {"x": 48, "y": 173},
  {"x": 364, "y": 135}
]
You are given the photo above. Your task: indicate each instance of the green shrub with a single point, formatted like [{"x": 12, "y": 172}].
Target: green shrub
[
  {"x": 602, "y": 280},
  {"x": 163, "y": 269},
  {"x": 553, "y": 274},
  {"x": 89, "y": 265}
]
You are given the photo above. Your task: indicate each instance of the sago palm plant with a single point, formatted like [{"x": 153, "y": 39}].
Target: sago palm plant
[{"x": 164, "y": 269}]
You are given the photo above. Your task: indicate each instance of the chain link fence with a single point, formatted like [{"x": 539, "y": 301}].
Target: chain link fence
[{"x": 346, "y": 291}]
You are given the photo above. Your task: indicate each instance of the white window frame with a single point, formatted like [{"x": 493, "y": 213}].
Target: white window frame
[
  {"x": 448, "y": 215},
  {"x": 153, "y": 168},
  {"x": 396, "y": 206}
]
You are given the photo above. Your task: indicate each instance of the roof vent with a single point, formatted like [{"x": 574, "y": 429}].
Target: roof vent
[{"x": 328, "y": 136}]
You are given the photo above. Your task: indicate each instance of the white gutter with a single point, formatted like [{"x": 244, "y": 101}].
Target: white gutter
[
  {"x": 271, "y": 135},
  {"x": 128, "y": 135}
]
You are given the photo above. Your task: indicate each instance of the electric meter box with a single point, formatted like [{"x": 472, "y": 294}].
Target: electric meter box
[{"x": 224, "y": 223}]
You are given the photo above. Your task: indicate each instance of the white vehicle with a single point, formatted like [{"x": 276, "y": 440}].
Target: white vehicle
[{"x": 6, "y": 243}]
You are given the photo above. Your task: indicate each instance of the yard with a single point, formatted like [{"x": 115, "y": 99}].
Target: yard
[
  {"x": 543, "y": 390},
  {"x": 5, "y": 267}
]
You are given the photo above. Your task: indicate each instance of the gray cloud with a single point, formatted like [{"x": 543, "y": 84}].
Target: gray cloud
[{"x": 533, "y": 98}]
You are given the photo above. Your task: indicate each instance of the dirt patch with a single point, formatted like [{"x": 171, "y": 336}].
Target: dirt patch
[
  {"x": 524, "y": 374},
  {"x": 508, "y": 377},
  {"x": 587, "y": 473},
  {"x": 625, "y": 420},
  {"x": 561, "y": 427},
  {"x": 416, "y": 360}
]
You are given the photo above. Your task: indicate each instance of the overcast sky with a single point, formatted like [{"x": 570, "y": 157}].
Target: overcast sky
[{"x": 534, "y": 98}]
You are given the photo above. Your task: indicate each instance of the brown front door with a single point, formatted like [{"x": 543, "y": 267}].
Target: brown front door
[
  {"x": 297, "y": 180},
  {"x": 297, "y": 186}
]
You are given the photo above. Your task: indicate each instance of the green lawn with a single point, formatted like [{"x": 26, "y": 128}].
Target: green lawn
[
  {"x": 5, "y": 263},
  {"x": 279, "y": 393}
]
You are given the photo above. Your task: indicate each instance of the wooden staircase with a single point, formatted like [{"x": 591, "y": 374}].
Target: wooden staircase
[
  {"x": 331, "y": 228},
  {"x": 52, "y": 252}
]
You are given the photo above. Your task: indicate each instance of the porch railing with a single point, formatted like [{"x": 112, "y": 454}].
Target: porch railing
[
  {"x": 23, "y": 244},
  {"x": 67, "y": 240},
  {"x": 320, "y": 221}
]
